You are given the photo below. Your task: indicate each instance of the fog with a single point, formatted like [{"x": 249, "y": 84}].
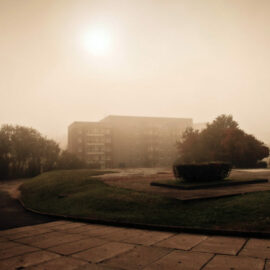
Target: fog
[{"x": 182, "y": 58}]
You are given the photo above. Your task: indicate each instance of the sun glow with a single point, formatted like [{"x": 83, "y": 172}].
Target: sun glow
[{"x": 97, "y": 42}]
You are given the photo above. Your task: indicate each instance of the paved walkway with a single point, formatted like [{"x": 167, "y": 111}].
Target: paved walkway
[
  {"x": 12, "y": 214},
  {"x": 73, "y": 245}
]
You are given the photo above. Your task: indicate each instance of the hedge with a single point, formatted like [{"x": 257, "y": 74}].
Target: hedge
[{"x": 203, "y": 172}]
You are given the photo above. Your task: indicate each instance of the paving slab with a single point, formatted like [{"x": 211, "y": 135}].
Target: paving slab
[
  {"x": 38, "y": 238},
  {"x": 225, "y": 262},
  {"x": 104, "y": 252},
  {"x": 50, "y": 239},
  {"x": 6, "y": 233},
  {"x": 121, "y": 235},
  {"x": 221, "y": 245},
  {"x": 31, "y": 228},
  {"x": 65, "y": 263},
  {"x": 75, "y": 247},
  {"x": 257, "y": 248},
  {"x": 27, "y": 233},
  {"x": 6, "y": 244},
  {"x": 52, "y": 224},
  {"x": 137, "y": 258},
  {"x": 86, "y": 229},
  {"x": 68, "y": 226},
  {"x": 182, "y": 260},
  {"x": 15, "y": 251},
  {"x": 22, "y": 261},
  {"x": 182, "y": 241},
  {"x": 91, "y": 266},
  {"x": 147, "y": 238},
  {"x": 102, "y": 231},
  {"x": 108, "y": 233}
]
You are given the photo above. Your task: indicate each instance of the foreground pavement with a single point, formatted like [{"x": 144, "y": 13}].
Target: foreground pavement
[{"x": 74, "y": 245}]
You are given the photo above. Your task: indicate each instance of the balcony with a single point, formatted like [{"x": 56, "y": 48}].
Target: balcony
[
  {"x": 95, "y": 143},
  {"x": 95, "y": 134},
  {"x": 95, "y": 152}
]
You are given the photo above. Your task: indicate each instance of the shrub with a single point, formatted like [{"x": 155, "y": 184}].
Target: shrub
[
  {"x": 261, "y": 164},
  {"x": 203, "y": 172},
  {"x": 69, "y": 161}
]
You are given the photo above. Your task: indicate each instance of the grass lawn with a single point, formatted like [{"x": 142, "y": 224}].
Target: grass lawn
[{"x": 79, "y": 193}]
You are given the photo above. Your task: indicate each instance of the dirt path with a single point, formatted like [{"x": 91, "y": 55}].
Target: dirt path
[{"x": 11, "y": 187}]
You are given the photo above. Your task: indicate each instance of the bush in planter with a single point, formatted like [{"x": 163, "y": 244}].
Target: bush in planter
[
  {"x": 202, "y": 172},
  {"x": 261, "y": 164}
]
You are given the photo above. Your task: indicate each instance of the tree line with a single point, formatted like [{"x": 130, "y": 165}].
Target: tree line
[
  {"x": 24, "y": 152},
  {"x": 222, "y": 140}
]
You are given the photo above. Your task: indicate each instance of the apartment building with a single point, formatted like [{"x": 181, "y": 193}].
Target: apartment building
[
  {"x": 91, "y": 142},
  {"x": 127, "y": 141}
]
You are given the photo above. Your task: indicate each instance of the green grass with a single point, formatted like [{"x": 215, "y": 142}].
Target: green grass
[{"x": 79, "y": 193}]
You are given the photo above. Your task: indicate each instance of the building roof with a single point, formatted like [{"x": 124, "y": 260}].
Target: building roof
[
  {"x": 86, "y": 123},
  {"x": 137, "y": 120},
  {"x": 110, "y": 118}
]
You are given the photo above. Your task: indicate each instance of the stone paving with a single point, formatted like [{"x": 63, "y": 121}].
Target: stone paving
[{"x": 74, "y": 245}]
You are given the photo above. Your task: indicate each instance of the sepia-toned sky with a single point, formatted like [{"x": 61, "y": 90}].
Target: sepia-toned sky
[{"x": 173, "y": 58}]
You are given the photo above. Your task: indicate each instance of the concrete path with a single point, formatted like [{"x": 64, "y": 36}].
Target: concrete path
[
  {"x": 72, "y": 245},
  {"x": 12, "y": 214}
]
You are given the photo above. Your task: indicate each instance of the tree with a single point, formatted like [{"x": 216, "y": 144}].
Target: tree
[
  {"x": 189, "y": 145},
  {"x": 222, "y": 140},
  {"x": 5, "y": 151},
  {"x": 25, "y": 152},
  {"x": 69, "y": 161}
]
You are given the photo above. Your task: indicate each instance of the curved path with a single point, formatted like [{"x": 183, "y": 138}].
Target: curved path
[{"x": 11, "y": 212}]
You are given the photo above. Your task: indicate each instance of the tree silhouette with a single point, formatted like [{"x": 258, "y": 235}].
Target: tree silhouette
[
  {"x": 25, "y": 152},
  {"x": 221, "y": 140}
]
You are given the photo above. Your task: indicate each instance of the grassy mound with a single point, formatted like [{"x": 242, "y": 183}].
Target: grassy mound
[{"x": 79, "y": 193}]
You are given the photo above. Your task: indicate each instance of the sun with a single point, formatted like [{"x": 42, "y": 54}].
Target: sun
[{"x": 97, "y": 42}]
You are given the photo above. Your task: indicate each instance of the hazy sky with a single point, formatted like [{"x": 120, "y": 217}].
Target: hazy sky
[{"x": 173, "y": 58}]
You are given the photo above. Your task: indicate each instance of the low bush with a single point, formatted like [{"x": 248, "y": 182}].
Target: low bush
[
  {"x": 69, "y": 161},
  {"x": 261, "y": 164},
  {"x": 204, "y": 172}
]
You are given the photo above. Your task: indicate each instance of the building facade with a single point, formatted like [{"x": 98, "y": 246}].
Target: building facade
[
  {"x": 91, "y": 142},
  {"x": 127, "y": 141}
]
